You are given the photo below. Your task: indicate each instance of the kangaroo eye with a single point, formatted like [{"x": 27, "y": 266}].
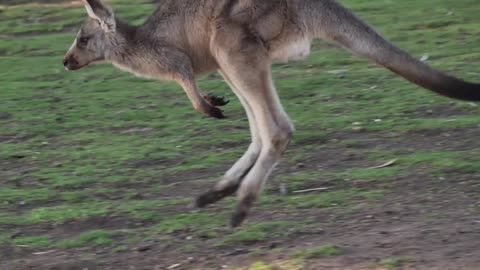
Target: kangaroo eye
[{"x": 83, "y": 40}]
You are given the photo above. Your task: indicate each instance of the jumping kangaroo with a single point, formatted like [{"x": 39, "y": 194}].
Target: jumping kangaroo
[{"x": 241, "y": 39}]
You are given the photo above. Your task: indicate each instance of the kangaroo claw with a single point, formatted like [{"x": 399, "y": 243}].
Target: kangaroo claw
[
  {"x": 216, "y": 113},
  {"x": 241, "y": 211},
  {"x": 215, "y": 100},
  {"x": 213, "y": 196}
]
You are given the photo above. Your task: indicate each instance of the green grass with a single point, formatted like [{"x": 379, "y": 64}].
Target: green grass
[
  {"x": 4, "y": 237},
  {"x": 260, "y": 266},
  {"x": 319, "y": 252},
  {"x": 16, "y": 195},
  {"x": 33, "y": 241},
  {"x": 395, "y": 263},
  {"x": 101, "y": 143},
  {"x": 284, "y": 265},
  {"x": 257, "y": 232},
  {"x": 96, "y": 237},
  {"x": 120, "y": 249},
  {"x": 183, "y": 221},
  {"x": 58, "y": 214}
]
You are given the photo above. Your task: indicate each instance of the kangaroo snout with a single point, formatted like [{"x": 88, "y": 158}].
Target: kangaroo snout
[{"x": 70, "y": 63}]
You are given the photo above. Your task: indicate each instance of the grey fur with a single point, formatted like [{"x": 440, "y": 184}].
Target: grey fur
[{"x": 241, "y": 39}]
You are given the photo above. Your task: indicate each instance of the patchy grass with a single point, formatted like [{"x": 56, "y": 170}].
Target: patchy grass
[
  {"x": 23, "y": 196},
  {"x": 183, "y": 221},
  {"x": 257, "y": 233},
  {"x": 75, "y": 146},
  {"x": 323, "y": 200},
  {"x": 120, "y": 249},
  {"x": 58, "y": 214},
  {"x": 319, "y": 252},
  {"x": 280, "y": 265},
  {"x": 33, "y": 241},
  {"x": 395, "y": 263},
  {"x": 96, "y": 237}
]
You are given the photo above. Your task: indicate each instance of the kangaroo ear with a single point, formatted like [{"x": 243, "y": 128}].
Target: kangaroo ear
[{"x": 103, "y": 14}]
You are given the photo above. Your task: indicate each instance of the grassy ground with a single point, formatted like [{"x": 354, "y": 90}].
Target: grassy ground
[{"x": 97, "y": 166}]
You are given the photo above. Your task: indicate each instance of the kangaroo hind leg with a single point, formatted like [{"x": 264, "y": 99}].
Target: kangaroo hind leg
[
  {"x": 249, "y": 72},
  {"x": 233, "y": 177}
]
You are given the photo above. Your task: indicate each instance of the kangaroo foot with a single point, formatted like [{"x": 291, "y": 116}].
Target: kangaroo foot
[
  {"x": 216, "y": 100},
  {"x": 213, "y": 196},
  {"x": 241, "y": 211}
]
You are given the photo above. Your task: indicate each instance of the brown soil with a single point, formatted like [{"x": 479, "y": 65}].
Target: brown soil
[{"x": 435, "y": 222}]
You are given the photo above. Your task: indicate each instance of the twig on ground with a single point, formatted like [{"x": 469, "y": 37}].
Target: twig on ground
[
  {"x": 44, "y": 252},
  {"x": 312, "y": 190},
  {"x": 388, "y": 164}
]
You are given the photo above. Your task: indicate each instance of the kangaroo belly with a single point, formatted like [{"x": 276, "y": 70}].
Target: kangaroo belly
[{"x": 293, "y": 50}]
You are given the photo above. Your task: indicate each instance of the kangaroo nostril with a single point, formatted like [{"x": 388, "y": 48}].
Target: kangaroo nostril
[
  {"x": 73, "y": 61},
  {"x": 65, "y": 62}
]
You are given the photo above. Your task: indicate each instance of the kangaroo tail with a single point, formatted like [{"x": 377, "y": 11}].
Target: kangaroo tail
[{"x": 329, "y": 20}]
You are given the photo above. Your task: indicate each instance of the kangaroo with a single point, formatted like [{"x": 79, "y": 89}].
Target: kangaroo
[{"x": 241, "y": 39}]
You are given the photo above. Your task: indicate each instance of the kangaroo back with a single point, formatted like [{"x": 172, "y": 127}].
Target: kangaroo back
[{"x": 329, "y": 20}]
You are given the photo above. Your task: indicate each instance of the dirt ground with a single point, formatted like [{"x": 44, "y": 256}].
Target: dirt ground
[
  {"x": 430, "y": 222},
  {"x": 434, "y": 222}
]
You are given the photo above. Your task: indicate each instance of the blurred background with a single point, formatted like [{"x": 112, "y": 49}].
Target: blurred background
[{"x": 97, "y": 166}]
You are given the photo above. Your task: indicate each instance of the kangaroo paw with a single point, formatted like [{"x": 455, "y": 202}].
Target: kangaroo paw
[
  {"x": 213, "y": 196},
  {"x": 215, "y": 100},
  {"x": 216, "y": 113},
  {"x": 241, "y": 211}
]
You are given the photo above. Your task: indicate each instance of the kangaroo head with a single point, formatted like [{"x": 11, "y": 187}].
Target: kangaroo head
[{"x": 95, "y": 37}]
